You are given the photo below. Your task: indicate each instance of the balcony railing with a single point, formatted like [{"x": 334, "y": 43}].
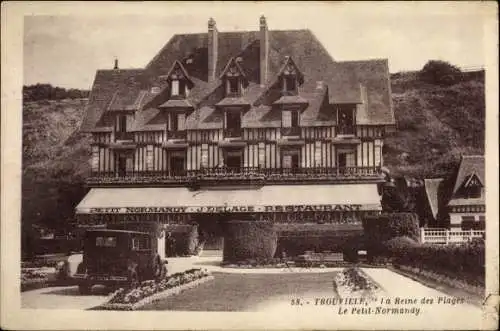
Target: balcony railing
[
  {"x": 233, "y": 133},
  {"x": 176, "y": 135},
  {"x": 124, "y": 135},
  {"x": 291, "y": 131},
  {"x": 238, "y": 173},
  {"x": 346, "y": 130}
]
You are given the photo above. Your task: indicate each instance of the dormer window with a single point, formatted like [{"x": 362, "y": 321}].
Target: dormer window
[
  {"x": 179, "y": 88},
  {"x": 291, "y": 77},
  {"x": 179, "y": 81},
  {"x": 233, "y": 124},
  {"x": 234, "y": 77},
  {"x": 177, "y": 122},
  {"x": 290, "y": 123},
  {"x": 233, "y": 85},
  {"x": 290, "y": 118},
  {"x": 346, "y": 120},
  {"x": 121, "y": 128},
  {"x": 290, "y": 84},
  {"x": 175, "y": 87}
]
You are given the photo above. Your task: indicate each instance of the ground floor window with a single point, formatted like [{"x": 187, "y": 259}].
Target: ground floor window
[{"x": 472, "y": 222}]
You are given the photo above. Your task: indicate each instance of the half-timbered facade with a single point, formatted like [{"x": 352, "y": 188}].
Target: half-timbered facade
[{"x": 256, "y": 111}]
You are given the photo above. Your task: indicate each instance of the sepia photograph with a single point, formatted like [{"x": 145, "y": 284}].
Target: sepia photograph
[{"x": 234, "y": 165}]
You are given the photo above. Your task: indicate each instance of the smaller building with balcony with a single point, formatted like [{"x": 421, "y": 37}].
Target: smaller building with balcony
[
  {"x": 459, "y": 202},
  {"x": 256, "y": 125}
]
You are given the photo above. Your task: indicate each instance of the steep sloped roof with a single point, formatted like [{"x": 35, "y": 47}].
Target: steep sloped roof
[
  {"x": 345, "y": 82},
  {"x": 109, "y": 83},
  {"x": 431, "y": 191},
  {"x": 358, "y": 81}
]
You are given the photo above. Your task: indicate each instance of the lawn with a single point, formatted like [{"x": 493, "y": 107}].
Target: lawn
[{"x": 244, "y": 292}]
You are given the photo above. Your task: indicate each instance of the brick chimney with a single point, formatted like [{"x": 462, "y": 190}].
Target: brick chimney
[
  {"x": 264, "y": 50},
  {"x": 116, "y": 65},
  {"x": 213, "y": 47}
]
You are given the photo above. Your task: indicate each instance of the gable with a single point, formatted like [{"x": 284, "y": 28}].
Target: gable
[
  {"x": 289, "y": 68},
  {"x": 469, "y": 165},
  {"x": 232, "y": 69},
  {"x": 473, "y": 181},
  {"x": 177, "y": 72}
]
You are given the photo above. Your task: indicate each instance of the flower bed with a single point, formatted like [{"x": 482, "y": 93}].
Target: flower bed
[
  {"x": 35, "y": 278},
  {"x": 150, "y": 291},
  {"x": 440, "y": 278},
  {"x": 353, "y": 282}
]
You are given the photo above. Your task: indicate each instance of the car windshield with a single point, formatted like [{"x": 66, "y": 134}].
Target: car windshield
[{"x": 105, "y": 241}]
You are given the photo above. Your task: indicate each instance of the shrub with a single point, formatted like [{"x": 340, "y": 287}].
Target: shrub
[
  {"x": 466, "y": 260},
  {"x": 245, "y": 240},
  {"x": 185, "y": 238},
  {"x": 381, "y": 228},
  {"x": 440, "y": 73},
  {"x": 294, "y": 239},
  {"x": 384, "y": 227}
]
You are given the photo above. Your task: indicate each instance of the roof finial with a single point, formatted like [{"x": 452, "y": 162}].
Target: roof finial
[
  {"x": 211, "y": 23},
  {"x": 116, "y": 64},
  {"x": 262, "y": 19}
]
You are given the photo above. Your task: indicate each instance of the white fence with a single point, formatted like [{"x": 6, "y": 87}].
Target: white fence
[{"x": 445, "y": 236}]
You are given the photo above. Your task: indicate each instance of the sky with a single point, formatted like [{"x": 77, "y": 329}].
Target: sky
[{"x": 65, "y": 46}]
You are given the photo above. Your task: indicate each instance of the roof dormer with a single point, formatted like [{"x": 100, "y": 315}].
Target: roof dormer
[
  {"x": 234, "y": 78},
  {"x": 178, "y": 81},
  {"x": 291, "y": 77}
]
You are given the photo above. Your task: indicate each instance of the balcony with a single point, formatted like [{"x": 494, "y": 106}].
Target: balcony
[
  {"x": 346, "y": 130},
  {"x": 233, "y": 133},
  {"x": 290, "y": 132},
  {"x": 124, "y": 135},
  {"x": 176, "y": 135},
  {"x": 238, "y": 174}
]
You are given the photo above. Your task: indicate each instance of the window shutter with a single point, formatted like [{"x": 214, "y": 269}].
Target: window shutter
[
  {"x": 175, "y": 87},
  {"x": 287, "y": 119},
  {"x": 181, "y": 122}
]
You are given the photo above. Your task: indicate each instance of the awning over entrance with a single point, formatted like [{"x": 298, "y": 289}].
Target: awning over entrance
[{"x": 275, "y": 198}]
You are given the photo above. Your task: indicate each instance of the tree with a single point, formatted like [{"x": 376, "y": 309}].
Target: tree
[{"x": 440, "y": 73}]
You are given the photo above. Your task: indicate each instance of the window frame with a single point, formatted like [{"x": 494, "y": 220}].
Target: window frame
[
  {"x": 233, "y": 82},
  {"x": 175, "y": 87},
  {"x": 233, "y": 115},
  {"x": 287, "y": 79}
]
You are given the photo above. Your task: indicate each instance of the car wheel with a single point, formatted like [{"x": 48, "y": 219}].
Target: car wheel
[{"x": 85, "y": 288}]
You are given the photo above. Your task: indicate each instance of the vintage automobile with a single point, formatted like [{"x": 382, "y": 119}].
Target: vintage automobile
[{"x": 116, "y": 257}]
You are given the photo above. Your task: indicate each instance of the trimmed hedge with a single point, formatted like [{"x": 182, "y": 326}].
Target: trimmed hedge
[
  {"x": 297, "y": 242},
  {"x": 185, "y": 239},
  {"x": 245, "y": 240},
  {"x": 384, "y": 227},
  {"x": 466, "y": 261}
]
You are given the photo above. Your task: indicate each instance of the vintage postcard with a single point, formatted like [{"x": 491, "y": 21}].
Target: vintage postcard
[{"x": 231, "y": 165}]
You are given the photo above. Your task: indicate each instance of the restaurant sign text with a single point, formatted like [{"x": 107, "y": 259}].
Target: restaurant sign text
[{"x": 231, "y": 209}]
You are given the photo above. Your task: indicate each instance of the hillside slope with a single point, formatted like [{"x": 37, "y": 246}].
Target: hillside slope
[
  {"x": 435, "y": 125},
  {"x": 56, "y": 159}
]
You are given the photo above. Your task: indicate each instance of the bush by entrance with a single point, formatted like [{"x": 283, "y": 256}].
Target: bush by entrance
[{"x": 249, "y": 240}]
